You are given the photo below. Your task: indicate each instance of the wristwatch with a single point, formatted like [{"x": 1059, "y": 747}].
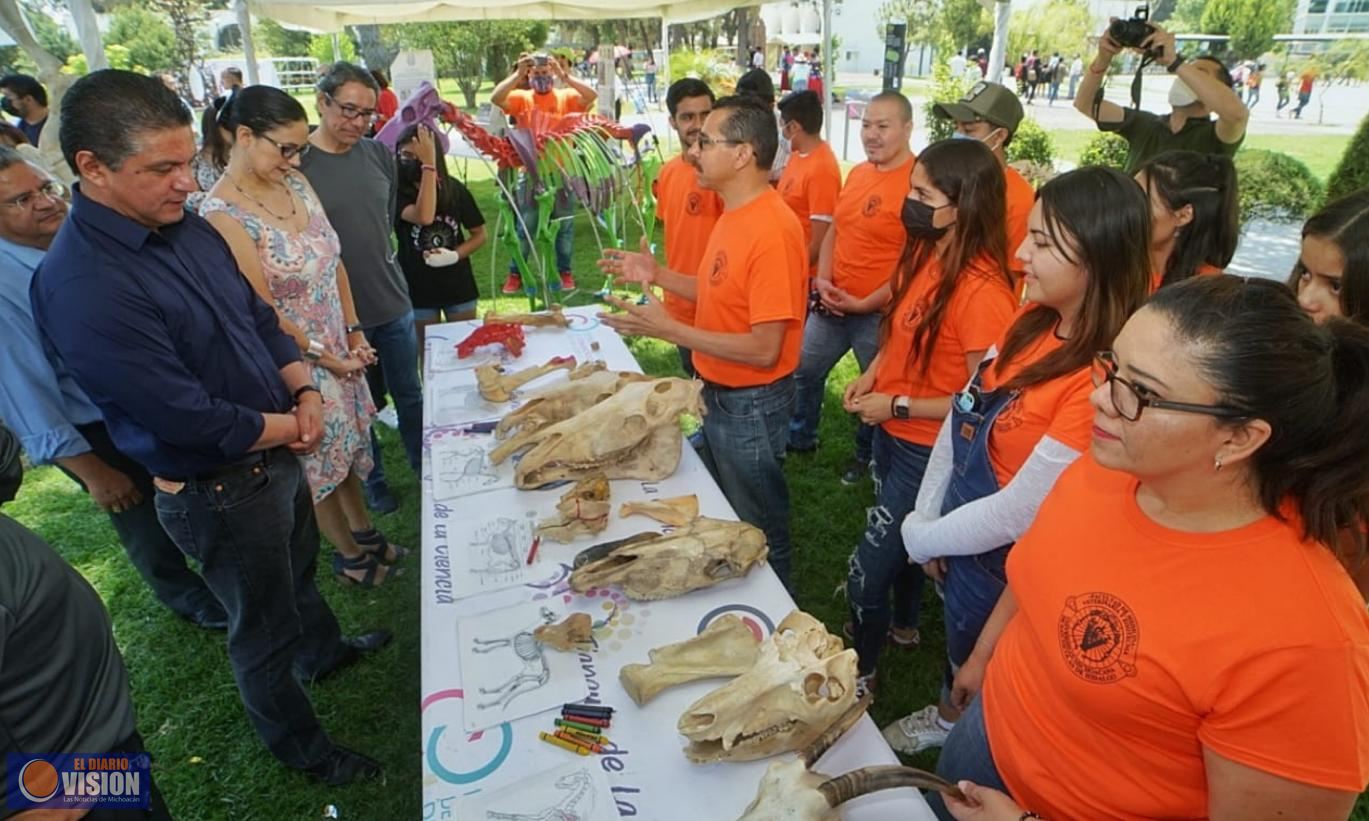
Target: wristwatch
[
  {"x": 351, "y": 329},
  {"x": 315, "y": 351},
  {"x": 898, "y": 406},
  {"x": 1174, "y": 66},
  {"x": 301, "y": 391}
]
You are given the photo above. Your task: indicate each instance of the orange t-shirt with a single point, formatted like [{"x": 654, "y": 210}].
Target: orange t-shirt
[
  {"x": 1058, "y": 408},
  {"x": 810, "y": 185},
  {"x": 689, "y": 213},
  {"x": 1205, "y": 269},
  {"x": 556, "y": 103},
  {"x": 869, "y": 226},
  {"x": 981, "y": 308},
  {"x": 1021, "y": 198},
  {"x": 754, "y": 270},
  {"x": 1136, "y": 646}
]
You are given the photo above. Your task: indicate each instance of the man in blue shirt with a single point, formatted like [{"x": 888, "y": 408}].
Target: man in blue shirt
[
  {"x": 145, "y": 306},
  {"x": 55, "y": 421},
  {"x": 26, "y": 99}
]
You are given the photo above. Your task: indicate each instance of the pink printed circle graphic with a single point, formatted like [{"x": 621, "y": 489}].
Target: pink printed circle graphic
[
  {"x": 433, "y": 747},
  {"x": 755, "y": 620},
  {"x": 581, "y": 322}
]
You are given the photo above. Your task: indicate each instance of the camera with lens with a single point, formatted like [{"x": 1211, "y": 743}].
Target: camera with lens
[
  {"x": 1132, "y": 32},
  {"x": 539, "y": 59}
]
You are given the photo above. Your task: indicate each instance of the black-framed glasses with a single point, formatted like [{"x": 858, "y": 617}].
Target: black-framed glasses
[
  {"x": 351, "y": 112},
  {"x": 288, "y": 151},
  {"x": 50, "y": 190},
  {"x": 706, "y": 142},
  {"x": 1130, "y": 401}
]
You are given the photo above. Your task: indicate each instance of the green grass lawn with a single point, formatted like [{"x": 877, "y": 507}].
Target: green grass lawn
[{"x": 210, "y": 764}]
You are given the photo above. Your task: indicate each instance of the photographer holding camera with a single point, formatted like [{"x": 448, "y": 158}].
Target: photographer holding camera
[{"x": 1202, "y": 87}]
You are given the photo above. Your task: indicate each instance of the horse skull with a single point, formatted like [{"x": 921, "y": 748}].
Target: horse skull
[
  {"x": 726, "y": 648},
  {"x": 559, "y": 403},
  {"x": 652, "y": 566}
]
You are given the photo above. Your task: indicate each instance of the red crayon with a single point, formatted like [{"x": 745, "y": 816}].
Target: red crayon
[{"x": 532, "y": 553}]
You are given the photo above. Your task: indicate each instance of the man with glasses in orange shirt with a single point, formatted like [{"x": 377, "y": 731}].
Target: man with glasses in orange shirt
[
  {"x": 748, "y": 326},
  {"x": 358, "y": 183}
]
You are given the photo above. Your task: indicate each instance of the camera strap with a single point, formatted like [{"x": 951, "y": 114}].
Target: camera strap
[{"x": 1146, "y": 60}]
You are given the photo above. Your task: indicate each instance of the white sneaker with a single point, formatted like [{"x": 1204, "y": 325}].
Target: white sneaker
[
  {"x": 389, "y": 417},
  {"x": 919, "y": 731}
]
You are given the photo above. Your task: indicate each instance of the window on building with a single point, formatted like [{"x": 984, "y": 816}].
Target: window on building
[{"x": 1317, "y": 6}]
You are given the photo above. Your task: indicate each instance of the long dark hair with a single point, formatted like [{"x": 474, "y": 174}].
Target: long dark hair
[
  {"x": 1346, "y": 223},
  {"x": 212, "y": 142},
  {"x": 260, "y": 109},
  {"x": 1100, "y": 221},
  {"x": 971, "y": 178},
  {"x": 408, "y": 189},
  {"x": 1263, "y": 355},
  {"x": 1208, "y": 183}
]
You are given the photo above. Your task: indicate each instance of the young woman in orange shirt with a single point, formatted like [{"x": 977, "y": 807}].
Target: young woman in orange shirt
[
  {"x": 1025, "y": 416},
  {"x": 1196, "y": 222},
  {"x": 1177, "y": 640},
  {"x": 952, "y": 297}
]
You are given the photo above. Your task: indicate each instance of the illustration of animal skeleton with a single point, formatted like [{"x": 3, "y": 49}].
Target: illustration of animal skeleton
[
  {"x": 503, "y": 549},
  {"x": 467, "y": 468},
  {"x": 535, "y": 673},
  {"x": 578, "y": 788}
]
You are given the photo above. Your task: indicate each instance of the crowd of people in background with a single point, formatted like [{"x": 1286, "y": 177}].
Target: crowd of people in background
[{"x": 1136, "y": 483}]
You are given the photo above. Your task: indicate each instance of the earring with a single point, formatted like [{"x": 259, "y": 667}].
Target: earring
[{"x": 1218, "y": 463}]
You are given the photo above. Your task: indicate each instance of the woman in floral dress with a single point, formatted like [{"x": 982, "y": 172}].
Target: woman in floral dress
[{"x": 279, "y": 235}]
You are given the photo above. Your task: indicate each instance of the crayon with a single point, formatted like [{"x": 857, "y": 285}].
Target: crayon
[
  {"x": 575, "y": 725},
  {"x": 532, "y": 553},
  {"x": 590, "y": 720},
  {"x": 592, "y": 746},
  {"x": 564, "y": 744},
  {"x": 585, "y": 738},
  {"x": 588, "y": 710}
]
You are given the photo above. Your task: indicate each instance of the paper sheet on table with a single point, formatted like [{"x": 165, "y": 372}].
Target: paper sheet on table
[
  {"x": 578, "y": 791},
  {"x": 461, "y": 466},
  {"x": 508, "y": 673}
]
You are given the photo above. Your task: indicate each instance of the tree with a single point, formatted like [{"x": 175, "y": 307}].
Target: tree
[
  {"x": 186, "y": 17},
  {"x": 278, "y": 41},
  {"x": 150, "y": 42},
  {"x": 946, "y": 25},
  {"x": 1187, "y": 16},
  {"x": 117, "y": 56},
  {"x": 1352, "y": 174},
  {"x": 464, "y": 50},
  {"x": 1251, "y": 24},
  {"x": 321, "y": 48},
  {"x": 49, "y": 71},
  {"x": 49, "y": 33},
  {"x": 1060, "y": 26}
]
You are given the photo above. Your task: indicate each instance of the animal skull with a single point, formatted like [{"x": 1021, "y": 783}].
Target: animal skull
[
  {"x": 726, "y": 648},
  {"x": 559, "y": 403},
  {"x": 553, "y": 318},
  {"x": 574, "y": 630},
  {"x": 633, "y": 434},
  {"x": 583, "y": 510},
  {"x": 676, "y": 512},
  {"x": 801, "y": 684},
  {"x": 497, "y": 386},
  {"x": 651, "y": 566}
]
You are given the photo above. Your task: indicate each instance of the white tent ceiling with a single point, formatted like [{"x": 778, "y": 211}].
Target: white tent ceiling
[{"x": 332, "y": 15}]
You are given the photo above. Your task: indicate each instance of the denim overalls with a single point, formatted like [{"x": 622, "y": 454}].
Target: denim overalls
[{"x": 973, "y": 583}]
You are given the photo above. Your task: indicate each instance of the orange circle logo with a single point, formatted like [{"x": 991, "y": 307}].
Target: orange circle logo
[
  {"x": 693, "y": 203},
  {"x": 872, "y": 205},
  {"x": 719, "y": 270},
  {"x": 1099, "y": 637},
  {"x": 38, "y": 781}
]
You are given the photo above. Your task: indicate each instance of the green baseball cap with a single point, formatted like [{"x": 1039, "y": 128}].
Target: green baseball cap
[{"x": 990, "y": 102}]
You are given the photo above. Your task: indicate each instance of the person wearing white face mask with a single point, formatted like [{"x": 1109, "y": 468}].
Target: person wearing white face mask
[
  {"x": 990, "y": 113},
  {"x": 1202, "y": 87}
]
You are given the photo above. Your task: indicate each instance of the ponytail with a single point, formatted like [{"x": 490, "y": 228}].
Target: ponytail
[{"x": 1207, "y": 182}]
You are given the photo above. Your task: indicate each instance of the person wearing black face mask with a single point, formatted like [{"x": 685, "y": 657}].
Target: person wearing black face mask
[
  {"x": 438, "y": 226},
  {"x": 952, "y": 298},
  {"x": 26, "y": 99}
]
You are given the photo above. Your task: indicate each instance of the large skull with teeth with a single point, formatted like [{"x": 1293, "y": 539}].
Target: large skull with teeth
[
  {"x": 801, "y": 684},
  {"x": 633, "y": 434},
  {"x": 559, "y": 403},
  {"x": 652, "y": 566}
]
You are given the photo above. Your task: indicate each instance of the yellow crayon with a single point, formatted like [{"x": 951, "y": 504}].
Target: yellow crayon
[
  {"x": 578, "y": 741},
  {"x": 564, "y": 744},
  {"x": 585, "y": 738}
]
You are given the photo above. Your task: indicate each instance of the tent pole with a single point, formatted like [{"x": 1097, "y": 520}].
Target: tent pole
[
  {"x": 828, "y": 77},
  {"x": 249, "y": 48},
  {"x": 661, "y": 92}
]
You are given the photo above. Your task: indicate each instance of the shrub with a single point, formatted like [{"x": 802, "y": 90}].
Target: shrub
[
  {"x": 1352, "y": 173},
  {"x": 1105, "y": 149},
  {"x": 1031, "y": 144},
  {"x": 1276, "y": 186},
  {"x": 945, "y": 89},
  {"x": 717, "y": 68}
]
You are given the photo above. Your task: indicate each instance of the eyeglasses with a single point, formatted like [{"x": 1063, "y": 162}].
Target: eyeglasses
[
  {"x": 1129, "y": 401},
  {"x": 706, "y": 142},
  {"x": 50, "y": 190},
  {"x": 287, "y": 151},
  {"x": 351, "y": 112}
]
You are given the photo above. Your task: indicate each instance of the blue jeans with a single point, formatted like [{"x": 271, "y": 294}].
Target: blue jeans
[
  {"x": 744, "y": 450},
  {"x": 879, "y": 565},
  {"x": 436, "y": 314},
  {"x": 565, "y": 233},
  {"x": 826, "y": 339},
  {"x": 252, "y": 529},
  {"x": 971, "y": 591},
  {"x": 396, "y": 344},
  {"x": 966, "y": 756}
]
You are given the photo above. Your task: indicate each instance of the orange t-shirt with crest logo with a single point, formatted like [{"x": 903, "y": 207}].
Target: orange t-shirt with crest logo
[
  {"x": 810, "y": 186},
  {"x": 981, "y": 307},
  {"x": 1136, "y": 646},
  {"x": 689, "y": 213},
  {"x": 754, "y": 270},
  {"x": 554, "y": 105},
  {"x": 869, "y": 227}
]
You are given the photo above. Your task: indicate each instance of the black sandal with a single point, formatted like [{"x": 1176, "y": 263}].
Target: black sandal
[
  {"x": 367, "y": 562},
  {"x": 375, "y": 544}
]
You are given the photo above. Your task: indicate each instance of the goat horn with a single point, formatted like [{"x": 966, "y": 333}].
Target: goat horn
[
  {"x": 810, "y": 755},
  {"x": 866, "y": 780}
]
